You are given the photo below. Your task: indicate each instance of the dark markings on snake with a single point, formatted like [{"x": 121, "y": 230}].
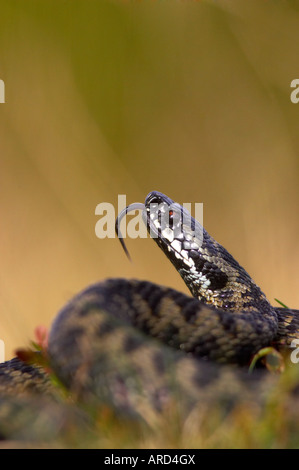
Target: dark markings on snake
[
  {"x": 218, "y": 279},
  {"x": 105, "y": 328}
]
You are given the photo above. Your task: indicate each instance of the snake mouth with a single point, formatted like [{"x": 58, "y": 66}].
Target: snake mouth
[{"x": 173, "y": 229}]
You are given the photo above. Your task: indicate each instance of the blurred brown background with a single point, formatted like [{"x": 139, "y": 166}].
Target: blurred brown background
[{"x": 113, "y": 97}]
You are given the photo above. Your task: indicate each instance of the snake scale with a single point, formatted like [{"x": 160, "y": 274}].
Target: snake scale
[{"x": 138, "y": 346}]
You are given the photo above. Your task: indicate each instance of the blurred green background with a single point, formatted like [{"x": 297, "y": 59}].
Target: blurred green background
[{"x": 117, "y": 97}]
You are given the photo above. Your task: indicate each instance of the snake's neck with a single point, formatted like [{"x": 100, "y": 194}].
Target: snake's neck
[{"x": 235, "y": 293}]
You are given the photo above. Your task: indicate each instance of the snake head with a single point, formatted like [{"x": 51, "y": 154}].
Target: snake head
[
  {"x": 179, "y": 236},
  {"x": 173, "y": 229}
]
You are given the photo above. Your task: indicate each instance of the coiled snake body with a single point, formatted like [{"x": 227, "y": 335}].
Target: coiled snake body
[{"x": 136, "y": 345}]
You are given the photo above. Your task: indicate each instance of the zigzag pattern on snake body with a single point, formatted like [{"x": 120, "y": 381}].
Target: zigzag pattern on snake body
[{"x": 136, "y": 345}]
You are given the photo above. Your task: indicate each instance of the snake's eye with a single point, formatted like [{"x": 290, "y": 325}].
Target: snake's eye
[
  {"x": 174, "y": 218},
  {"x": 170, "y": 218}
]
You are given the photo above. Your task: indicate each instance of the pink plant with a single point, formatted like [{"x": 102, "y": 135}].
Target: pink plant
[{"x": 41, "y": 334}]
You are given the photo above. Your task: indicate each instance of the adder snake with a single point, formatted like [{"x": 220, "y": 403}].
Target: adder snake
[{"x": 136, "y": 345}]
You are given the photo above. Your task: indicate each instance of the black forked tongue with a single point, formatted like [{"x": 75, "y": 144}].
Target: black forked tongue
[{"x": 131, "y": 207}]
